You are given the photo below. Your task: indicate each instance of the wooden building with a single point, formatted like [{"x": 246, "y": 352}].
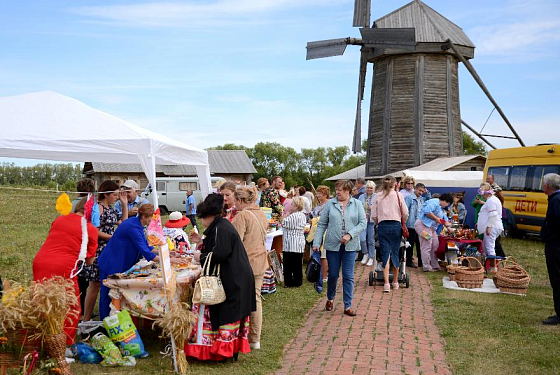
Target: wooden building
[
  {"x": 415, "y": 114},
  {"x": 232, "y": 165}
]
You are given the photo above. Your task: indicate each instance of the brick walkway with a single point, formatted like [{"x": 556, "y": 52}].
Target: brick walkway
[{"x": 404, "y": 341}]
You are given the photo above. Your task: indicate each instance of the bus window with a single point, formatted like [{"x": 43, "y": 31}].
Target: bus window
[
  {"x": 517, "y": 178},
  {"x": 551, "y": 169},
  {"x": 534, "y": 178},
  {"x": 184, "y": 186},
  {"x": 500, "y": 175},
  {"x": 160, "y": 186}
]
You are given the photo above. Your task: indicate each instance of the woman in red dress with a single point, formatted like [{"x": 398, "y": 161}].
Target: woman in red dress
[{"x": 59, "y": 255}]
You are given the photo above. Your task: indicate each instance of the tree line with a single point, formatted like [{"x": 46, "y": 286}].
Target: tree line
[
  {"x": 63, "y": 176},
  {"x": 306, "y": 167},
  {"x": 314, "y": 165}
]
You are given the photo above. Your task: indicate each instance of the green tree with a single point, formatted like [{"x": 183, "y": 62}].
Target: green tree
[{"x": 472, "y": 146}]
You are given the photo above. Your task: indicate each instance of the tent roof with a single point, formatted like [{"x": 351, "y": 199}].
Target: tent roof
[
  {"x": 221, "y": 162},
  {"x": 51, "y": 126}
]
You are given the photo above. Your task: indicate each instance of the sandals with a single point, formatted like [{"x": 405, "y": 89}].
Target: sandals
[
  {"x": 329, "y": 305},
  {"x": 387, "y": 288}
]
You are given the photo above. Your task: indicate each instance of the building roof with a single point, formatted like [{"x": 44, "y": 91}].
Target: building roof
[
  {"x": 436, "y": 165},
  {"x": 351, "y": 174},
  {"x": 221, "y": 162},
  {"x": 430, "y": 26}
]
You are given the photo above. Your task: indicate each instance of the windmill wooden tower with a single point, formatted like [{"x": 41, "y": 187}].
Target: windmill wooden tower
[{"x": 414, "y": 112}]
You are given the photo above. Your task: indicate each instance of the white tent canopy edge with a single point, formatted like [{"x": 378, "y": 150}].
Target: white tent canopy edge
[{"x": 51, "y": 126}]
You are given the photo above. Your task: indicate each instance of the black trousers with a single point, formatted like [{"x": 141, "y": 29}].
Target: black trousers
[
  {"x": 292, "y": 264},
  {"x": 192, "y": 218},
  {"x": 413, "y": 240},
  {"x": 83, "y": 285},
  {"x": 499, "y": 249},
  {"x": 552, "y": 254}
]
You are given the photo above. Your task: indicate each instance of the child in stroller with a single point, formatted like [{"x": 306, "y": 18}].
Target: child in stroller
[{"x": 376, "y": 276}]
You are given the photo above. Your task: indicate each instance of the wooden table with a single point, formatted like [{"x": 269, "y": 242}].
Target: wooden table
[{"x": 145, "y": 296}]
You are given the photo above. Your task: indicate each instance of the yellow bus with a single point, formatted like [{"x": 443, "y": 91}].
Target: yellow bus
[{"x": 519, "y": 171}]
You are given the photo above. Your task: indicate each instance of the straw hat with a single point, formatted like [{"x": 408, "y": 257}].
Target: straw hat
[{"x": 177, "y": 220}]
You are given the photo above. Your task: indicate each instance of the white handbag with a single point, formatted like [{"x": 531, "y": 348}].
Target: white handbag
[{"x": 208, "y": 289}]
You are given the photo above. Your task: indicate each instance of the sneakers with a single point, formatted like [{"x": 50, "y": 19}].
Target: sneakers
[
  {"x": 255, "y": 345},
  {"x": 387, "y": 288},
  {"x": 365, "y": 259},
  {"x": 396, "y": 285},
  {"x": 369, "y": 262}
]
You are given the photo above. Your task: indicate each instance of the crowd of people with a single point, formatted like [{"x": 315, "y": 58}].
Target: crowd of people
[{"x": 344, "y": 228}]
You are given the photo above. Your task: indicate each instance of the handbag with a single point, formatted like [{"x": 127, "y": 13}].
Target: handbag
[
  {"x": 405, "y": 233},
  {"x": 313, "y": 270},
  {"x": 208, "y": 289}
]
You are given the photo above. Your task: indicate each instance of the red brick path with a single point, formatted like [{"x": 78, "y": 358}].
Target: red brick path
[{"x": 392, "y": 334}]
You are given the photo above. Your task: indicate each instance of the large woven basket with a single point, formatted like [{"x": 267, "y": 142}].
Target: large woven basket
[
  {"x": 511, "y": 277},
  {"x": 471, "y": 276}
]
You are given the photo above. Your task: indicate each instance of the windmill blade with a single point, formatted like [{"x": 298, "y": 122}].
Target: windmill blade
[
  {"x": 399, "y": 38},
  {"x": 327, "y": 48},
  {"x": 362, "y": 13},
  {"x": 357, "y": 141}
]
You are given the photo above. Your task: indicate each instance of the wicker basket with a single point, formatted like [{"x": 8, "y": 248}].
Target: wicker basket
[
  {"x": 471, "y": 276},
  {"x": 55, "y": 345},
  {"x": 451, "y": 271},
  {"x": 511, "y": 277}
]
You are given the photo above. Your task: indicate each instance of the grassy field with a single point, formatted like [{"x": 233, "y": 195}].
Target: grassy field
[
  {"x": 500, "y": 333},
  {"x": 25, "y": 219}
]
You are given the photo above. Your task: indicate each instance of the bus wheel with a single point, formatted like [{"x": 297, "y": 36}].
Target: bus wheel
[{"x": 163, "y": 210}]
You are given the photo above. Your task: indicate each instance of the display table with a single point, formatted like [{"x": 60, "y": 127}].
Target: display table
[
  {"x": 442, "y": 248},
  {"x": 144, "y": 296},
  {"x": 274, "y": 241}
]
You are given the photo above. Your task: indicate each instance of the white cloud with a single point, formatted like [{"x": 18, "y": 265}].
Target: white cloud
[
  {"x": 180, "y": 14},
  {"x": 522, "y": 31}
]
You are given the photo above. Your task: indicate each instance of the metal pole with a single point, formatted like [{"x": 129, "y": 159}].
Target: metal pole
[
  {"x": 478, "y": 80},
  {"x": 478, "y": 134}
]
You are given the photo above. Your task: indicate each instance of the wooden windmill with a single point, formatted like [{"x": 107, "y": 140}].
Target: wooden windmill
[{"x": 414, "y": 113}]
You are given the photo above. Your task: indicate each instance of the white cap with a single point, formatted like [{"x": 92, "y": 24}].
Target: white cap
[{"x": 130, "y": 184}]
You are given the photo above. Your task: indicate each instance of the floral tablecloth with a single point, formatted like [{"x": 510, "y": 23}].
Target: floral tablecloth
[{"x": 145, "y": 296}]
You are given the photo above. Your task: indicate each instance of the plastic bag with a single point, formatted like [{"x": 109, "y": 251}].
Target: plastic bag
[
  {"x": 87, "y": 354},
  {"x": 110, "y": 353},
  {"x": 122, "y": 330}
]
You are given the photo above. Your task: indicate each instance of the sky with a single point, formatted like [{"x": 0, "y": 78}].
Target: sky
[{"x": 209, "y": 72}]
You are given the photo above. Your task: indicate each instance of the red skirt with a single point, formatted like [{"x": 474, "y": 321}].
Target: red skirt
[{"x": 207, "y": 345}]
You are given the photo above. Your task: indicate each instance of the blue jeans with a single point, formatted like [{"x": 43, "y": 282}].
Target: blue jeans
[
  {"x": 367, "y": 240},
  {"x": 346, "y": 260},
  {"x": 389, "y": 233}
]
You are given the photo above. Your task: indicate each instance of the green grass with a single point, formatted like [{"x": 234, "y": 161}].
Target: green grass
[
  {"x": 25, "y": 219},
  {"x": 500, "y": 333}
]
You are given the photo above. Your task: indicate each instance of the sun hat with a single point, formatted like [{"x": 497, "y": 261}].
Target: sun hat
[
  {"x": 130, "y": 184},
  {"x": 177, "y": 220}
]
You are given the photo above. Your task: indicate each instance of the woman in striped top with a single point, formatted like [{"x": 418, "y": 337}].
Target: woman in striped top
[{"x": 293, "y": 244}]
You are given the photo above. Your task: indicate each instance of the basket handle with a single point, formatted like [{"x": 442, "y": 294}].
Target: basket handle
[{"x": 468, "y": 259}]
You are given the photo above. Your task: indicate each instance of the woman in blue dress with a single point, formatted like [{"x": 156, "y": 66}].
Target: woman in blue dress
[{"x": 125, "y": 248}]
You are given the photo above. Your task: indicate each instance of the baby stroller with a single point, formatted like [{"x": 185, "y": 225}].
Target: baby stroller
[{"x": 376, "y": 276}]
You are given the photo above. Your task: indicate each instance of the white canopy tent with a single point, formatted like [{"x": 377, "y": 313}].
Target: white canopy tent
[
  {"x": 51, "y": 126},
  {"x": 460, "y": 179}
]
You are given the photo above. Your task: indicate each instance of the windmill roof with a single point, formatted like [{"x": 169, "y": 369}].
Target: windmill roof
[
  {"x": 220, "y": 161},
  {"x": 430, "y": 26}
]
